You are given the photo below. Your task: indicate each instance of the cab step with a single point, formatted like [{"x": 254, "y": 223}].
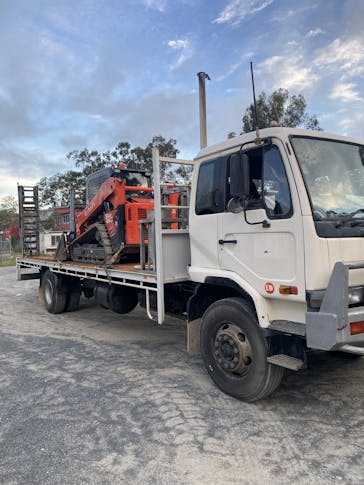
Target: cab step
[{"x": 286, "y": 361}]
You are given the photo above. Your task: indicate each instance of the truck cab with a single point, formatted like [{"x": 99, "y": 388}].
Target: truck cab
[{"x": 287, "y": 240}]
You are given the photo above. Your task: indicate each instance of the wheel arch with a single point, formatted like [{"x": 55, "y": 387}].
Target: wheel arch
[{"x": 217, "y": 288}]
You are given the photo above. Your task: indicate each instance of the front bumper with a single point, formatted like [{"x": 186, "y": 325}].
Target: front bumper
[{"x": 329, "y": 328}]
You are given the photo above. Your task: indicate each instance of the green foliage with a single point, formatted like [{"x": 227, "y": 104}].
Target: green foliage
[
  {"x": 8, "y": 209},
  {"x": 55, "y": 190},
  {"x": 47, "y": 222},
  {"x": 282, "y": 108},
  {"x": 9, "y": 203}
]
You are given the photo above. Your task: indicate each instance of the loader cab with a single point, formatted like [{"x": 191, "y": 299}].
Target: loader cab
[{"x": 133, "y": 178}]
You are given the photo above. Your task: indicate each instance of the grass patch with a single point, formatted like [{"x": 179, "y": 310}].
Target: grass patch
[{"x": 9, "y": 262}]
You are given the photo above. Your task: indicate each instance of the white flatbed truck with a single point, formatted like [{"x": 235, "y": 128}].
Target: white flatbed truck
[{"x": 269, "y": 266}]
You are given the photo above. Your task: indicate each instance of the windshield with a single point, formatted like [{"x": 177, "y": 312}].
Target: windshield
[
  {"x": 334, "y": 176},
  {"x": 135, "y": 179}
]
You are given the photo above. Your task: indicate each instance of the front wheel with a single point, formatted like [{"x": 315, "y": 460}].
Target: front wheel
[{"x": 235, "y": 351}]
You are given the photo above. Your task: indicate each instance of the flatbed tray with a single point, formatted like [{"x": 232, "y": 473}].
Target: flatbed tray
[{"x": 117, "y": 273}]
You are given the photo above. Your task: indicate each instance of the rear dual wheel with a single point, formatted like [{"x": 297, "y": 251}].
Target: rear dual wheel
[
  {"x": 235, "y": 351},
  {"x": 56, "y": 300}
]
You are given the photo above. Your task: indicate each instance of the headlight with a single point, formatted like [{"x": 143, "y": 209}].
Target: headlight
[{"x": 356, "y": 295}]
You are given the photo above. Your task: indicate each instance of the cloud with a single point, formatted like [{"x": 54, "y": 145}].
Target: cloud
[
  {"x": 178, "y": 44},
  {"x": 173, "y": 113},
  {"x": 234, "y": 67},
  {"x": 314, "y": 33},
  {"x": 237, "y": 10},
  {"x": 297, "y": 11},
  {"x": 352, "y": 124},
  {"x": 27, "y": 165},
  {"x": 73, "y": 142},
  {"x": 290, "y": 72},
  {"x": 346, "y": 55},
  {"x": 159, "y": 5},
  {"x": 186, "y": 51},
  {"x": 345, "y": 92}
]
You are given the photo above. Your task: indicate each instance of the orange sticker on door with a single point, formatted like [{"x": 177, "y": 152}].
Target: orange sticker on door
[{"x": 269, "y": 288}]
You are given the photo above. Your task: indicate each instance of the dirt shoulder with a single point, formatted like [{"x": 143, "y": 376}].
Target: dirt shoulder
[{"x": 96, "y": 397}]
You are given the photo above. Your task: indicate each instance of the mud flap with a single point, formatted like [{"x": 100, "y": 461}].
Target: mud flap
[{"x": 193, "y": 336}]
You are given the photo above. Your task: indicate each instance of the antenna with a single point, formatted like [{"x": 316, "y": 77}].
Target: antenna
[{"x": 257, "y": 139}]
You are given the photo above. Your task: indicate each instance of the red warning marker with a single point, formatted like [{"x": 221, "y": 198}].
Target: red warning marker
[{"x": 269, "y": 288}]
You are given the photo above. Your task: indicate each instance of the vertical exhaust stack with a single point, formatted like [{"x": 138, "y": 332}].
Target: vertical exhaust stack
[{"x": 202, "y": 76}]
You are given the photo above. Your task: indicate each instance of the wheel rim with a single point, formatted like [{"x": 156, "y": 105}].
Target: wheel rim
[
  {"x": 232, "y": 350},
  {"x": 48, "y": 292}
]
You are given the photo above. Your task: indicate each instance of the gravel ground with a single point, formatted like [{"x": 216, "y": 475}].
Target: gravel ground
[{"x": 95, "y": 397}]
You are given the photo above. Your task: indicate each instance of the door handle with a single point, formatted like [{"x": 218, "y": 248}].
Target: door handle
[{"x": 227, "y": 241}]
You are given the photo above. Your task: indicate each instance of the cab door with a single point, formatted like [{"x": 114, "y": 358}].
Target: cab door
[
  {"x": 266, "y": 254},
  {"x": 209, "y": 203}
]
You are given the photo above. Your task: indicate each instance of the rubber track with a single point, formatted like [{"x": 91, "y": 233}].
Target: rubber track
[{"x": 105, "y": 243}]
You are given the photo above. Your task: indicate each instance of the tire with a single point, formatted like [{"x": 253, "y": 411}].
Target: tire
[
  {"x": 73, "y": 301},
  {"x": 54, "y": 300},
  {"x": 234, "y": 351},
  {"x": 122, "y": 299}
]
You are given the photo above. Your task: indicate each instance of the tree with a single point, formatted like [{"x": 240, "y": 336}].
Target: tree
[
  {"x": 55, "y": 190},
  {"x": 282, "y": 108},
  {"x": 9, "y": 217},
  {"x": 8, "y": 209}
]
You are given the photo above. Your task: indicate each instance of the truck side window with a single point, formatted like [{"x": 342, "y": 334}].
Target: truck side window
[
  {"x": 276, "y": 191},
  {"x": 211, "y": 187},
  {"x": 255, "y": 156}
]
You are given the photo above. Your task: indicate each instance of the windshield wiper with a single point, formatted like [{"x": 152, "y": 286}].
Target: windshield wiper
[
  {"x": 319, "y": 214},
  {"x": 348, "y": 217},
  {"x": 354, "y": 213}
]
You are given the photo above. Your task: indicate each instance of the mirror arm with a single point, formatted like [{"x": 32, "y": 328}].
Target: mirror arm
[{"x": 264, "y": 223}]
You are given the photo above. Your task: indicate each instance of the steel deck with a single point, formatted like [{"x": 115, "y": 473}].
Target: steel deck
[{"x": 128, "y": 274}]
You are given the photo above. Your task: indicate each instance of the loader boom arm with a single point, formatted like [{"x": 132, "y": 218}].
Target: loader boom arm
[{"x": 114, "y": 191}]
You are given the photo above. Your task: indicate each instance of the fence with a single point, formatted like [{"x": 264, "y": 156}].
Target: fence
[{"x": 6, "y": 251}]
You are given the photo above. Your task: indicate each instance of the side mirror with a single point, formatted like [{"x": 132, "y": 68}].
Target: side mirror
[
  {"x": 239, "y": 176},
  {"x": 239, "y": 182},
  {"x": 235, "y": 206}
]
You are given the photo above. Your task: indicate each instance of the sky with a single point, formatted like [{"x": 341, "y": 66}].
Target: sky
[{"x": 93, "y": 73}]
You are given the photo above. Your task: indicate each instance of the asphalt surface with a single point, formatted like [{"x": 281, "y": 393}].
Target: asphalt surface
[{"x": 94, "y": 397}]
